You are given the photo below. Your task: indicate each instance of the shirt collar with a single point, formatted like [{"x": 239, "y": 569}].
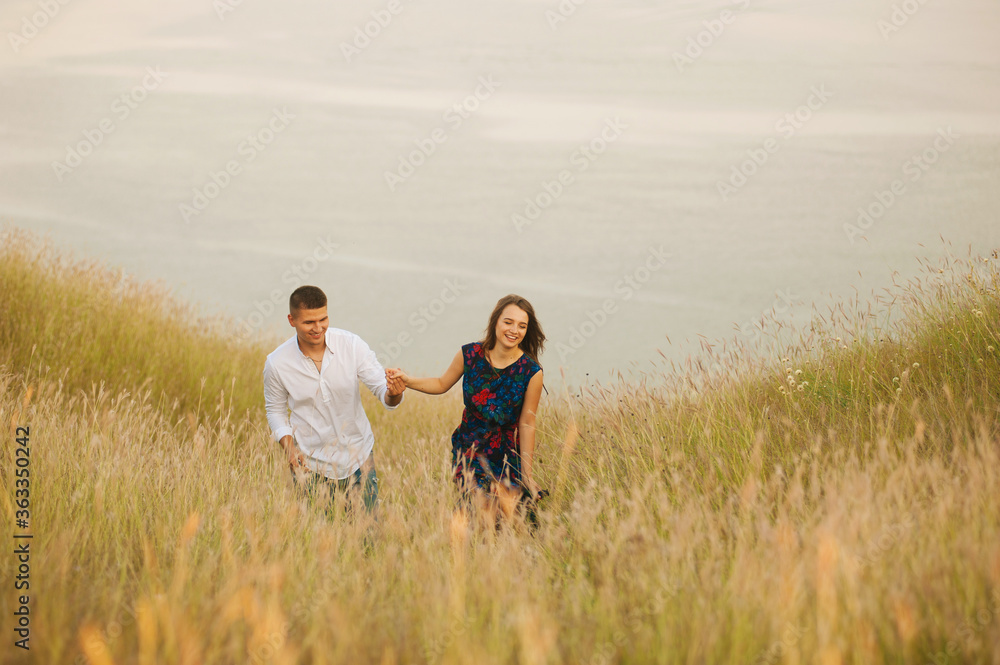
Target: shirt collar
[{"x": 326, "y": 346}]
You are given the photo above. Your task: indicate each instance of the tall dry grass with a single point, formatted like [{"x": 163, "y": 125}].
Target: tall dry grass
[{"x": 835, "y": 503}]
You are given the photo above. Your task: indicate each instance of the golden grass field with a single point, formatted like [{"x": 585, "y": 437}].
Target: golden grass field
[{"x": 837, "y": 501}]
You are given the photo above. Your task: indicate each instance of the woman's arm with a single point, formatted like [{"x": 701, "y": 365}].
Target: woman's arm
[
  {"x": 432, "y": 385},
  {"x": 526, "y": 432}
]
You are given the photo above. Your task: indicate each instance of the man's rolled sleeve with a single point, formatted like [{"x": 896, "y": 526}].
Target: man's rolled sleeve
[
  {"x": 276, "y": 404},
  {"x": 372, "y": 374}
]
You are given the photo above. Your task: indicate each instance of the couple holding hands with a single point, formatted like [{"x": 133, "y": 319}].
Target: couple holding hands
[{"x": 314, "y": 408}]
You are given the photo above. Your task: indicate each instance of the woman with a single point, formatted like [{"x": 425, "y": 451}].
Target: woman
[{"x": 493, "y": 446}]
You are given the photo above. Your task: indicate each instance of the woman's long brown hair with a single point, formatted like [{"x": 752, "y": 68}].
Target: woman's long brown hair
[{"x": 534, "y": 338}]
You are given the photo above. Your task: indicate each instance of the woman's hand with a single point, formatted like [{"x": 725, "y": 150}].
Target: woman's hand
[
  {"x": 395, "y": 381},
  {"x": 429, "y": 385},
  {"x": 531, "y": 488},
  {"x": 395, "y": 374}
]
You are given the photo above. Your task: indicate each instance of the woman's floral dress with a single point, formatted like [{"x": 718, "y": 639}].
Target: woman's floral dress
[{"x": 486, "y": 441}]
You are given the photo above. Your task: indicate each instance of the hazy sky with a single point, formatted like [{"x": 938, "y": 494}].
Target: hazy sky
[{"x": 626, "y": 124}]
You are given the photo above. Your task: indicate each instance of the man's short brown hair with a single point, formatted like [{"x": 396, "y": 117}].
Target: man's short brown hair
[{"x": 306, "y": 297}]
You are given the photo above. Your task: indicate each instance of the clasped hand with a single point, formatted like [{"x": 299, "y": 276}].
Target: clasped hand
[{"x": 395, "y": 381}]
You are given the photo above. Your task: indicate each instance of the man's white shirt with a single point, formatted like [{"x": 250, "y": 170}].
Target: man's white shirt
[{"x": 327, "y": 420}]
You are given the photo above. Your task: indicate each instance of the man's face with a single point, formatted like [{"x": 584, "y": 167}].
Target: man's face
[{"x": 310, "y": 326}]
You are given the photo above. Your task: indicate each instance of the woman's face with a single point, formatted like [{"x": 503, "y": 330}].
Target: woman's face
[{"x": 511, "y": 327}]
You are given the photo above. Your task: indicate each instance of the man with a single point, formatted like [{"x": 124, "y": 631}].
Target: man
[{"x": 327, "y": 437}]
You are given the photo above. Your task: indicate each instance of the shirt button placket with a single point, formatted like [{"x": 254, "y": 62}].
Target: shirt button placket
[{"x": 324, "y": 389}]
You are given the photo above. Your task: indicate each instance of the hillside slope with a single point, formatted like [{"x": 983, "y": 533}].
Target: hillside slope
[{"x": 835, "y": 503}]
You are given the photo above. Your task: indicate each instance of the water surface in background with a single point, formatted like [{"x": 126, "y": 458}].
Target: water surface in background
[{"x": 415, "y": 268}]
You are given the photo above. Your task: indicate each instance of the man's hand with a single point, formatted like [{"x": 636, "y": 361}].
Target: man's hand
[
  {"x": 296, "y": 460},
  {"x": 395, "y": 381}
]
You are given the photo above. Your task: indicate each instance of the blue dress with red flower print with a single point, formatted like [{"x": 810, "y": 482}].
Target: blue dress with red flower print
[{"x": 486, "y": 441}]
